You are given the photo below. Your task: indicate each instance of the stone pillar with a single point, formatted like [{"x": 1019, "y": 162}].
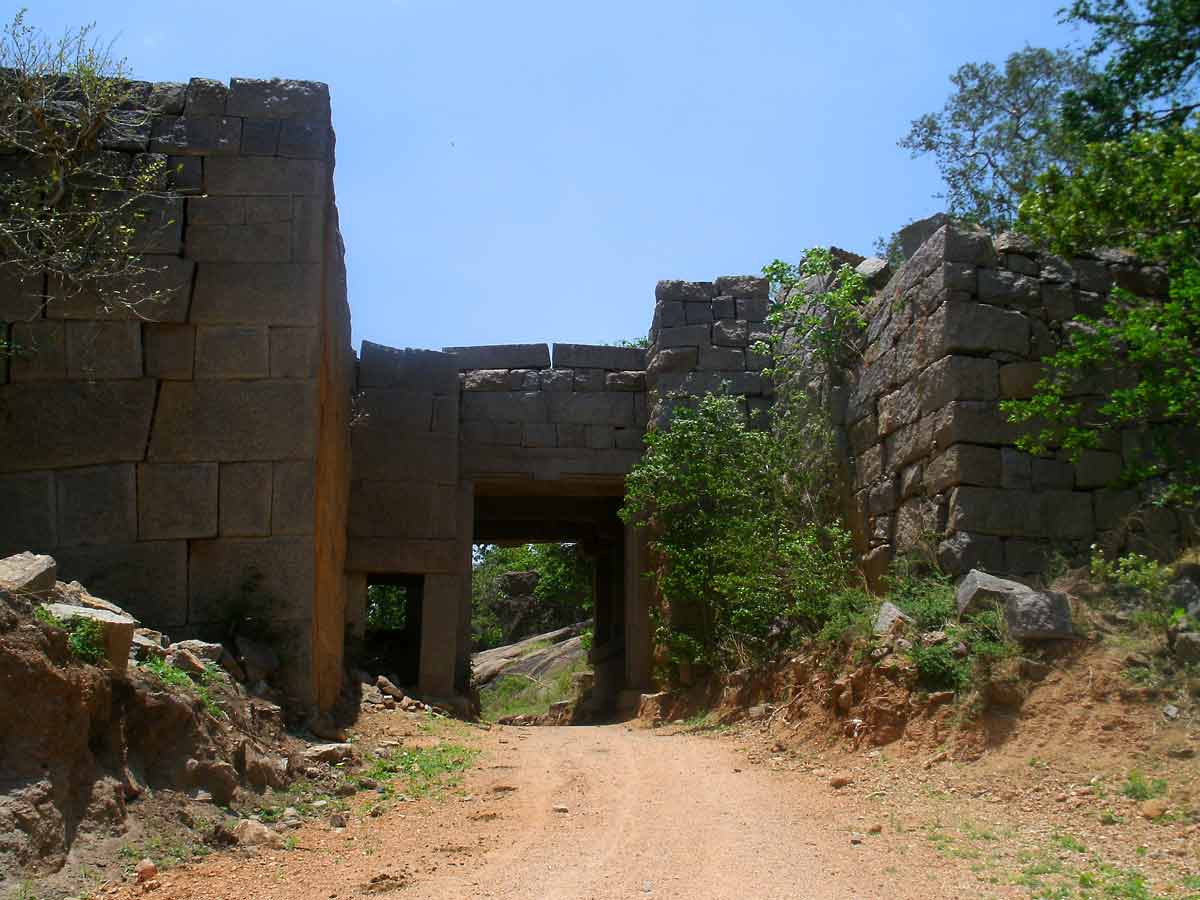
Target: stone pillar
[
  {"x": 439, "y": 634},
  {"x": 639, "y": 594},
  {"x": 466, "y": 536},
  {"x": 356, "y": 603}
]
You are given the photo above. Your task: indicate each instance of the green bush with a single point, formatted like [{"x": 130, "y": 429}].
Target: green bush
[
  {"x": 85, "y": 637},
  {"x": 938, "y": 669}
]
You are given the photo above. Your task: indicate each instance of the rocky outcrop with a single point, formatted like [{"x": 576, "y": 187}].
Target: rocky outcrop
[{"x": 538, "y": 657}]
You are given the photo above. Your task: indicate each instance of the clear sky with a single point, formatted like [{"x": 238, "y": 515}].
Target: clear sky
[{"x": 526, "y": 171}]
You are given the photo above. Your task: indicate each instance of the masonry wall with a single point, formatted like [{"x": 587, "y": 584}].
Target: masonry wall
[
  {"x": 165, "y": 455},
  {"x": 963, "y": 325}
]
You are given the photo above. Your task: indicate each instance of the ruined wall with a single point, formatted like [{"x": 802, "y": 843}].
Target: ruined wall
[
  {"x": 164, "y": 454},
  {"x": 963, "y": 325}
]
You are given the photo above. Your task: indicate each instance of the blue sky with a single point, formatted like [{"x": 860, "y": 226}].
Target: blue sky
[{"x": 526, "y": 171}]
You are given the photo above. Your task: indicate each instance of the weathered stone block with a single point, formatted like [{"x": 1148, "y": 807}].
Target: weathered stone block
[
  {"x": 881, "y": 498},
  {"x": 743, "y": 286},
  {"x": 389, "y": 454},
  {"x": 196, "y": 135},
  {"x": 487, "y": 380},
  {"x": 958, "y": 378},
  {"x": 1113, "y": 508},
  {"x": 264, "y": 243},
  {"x": 599, "y": 437},
  {"x": 589, "y": 380},
  {"x": 251, "y": 175},
  {"x": 556, "y": 380},
  {"x": 625, "y": 381},
  {"x": 39, "y": 351},
  {"x": 997, "y": 512},
  {"x": 864, "y": 433},
  {"x": 1068, "y": 515},
  {"x": 160, "y": 294},
  {"x": 185, "y": 174},
  {"x": 305, "y": 139},
  {"x": 607, "y": 408},
  {"x": 723, "y": 308},
  {"x": 697, "y": 313},
  {"x": 753, "y": 310},
  {"x": 200, "y": 421},
  {"x": 572, "y": 435},
  {"x": 1016, "y": 469},
  {"x": 21, "y": 298},
  {"x": 899, "y": 408},
  {"x": 97, "y": 350},
  {"x": 730, "y": 333},
  {"x": 245, "y": 499},
  {"x": 628, "y": 438},
  {"x": 962, "y": 551},
  {"x": 527, "y": 406},
  {"x": 598, "y": 357},
  {"x": 915, "y": 521},
  {"x": 1052, "y": 474},
  {"x": 1019, "y": 379},
  {"x": 963, "y": 464},
  {"x": 177, "y": 501},
  {"x": 700, "y": 383},
  {"x": 497, "y": 433},
  {"x": 30, "y": 518},
  {"x": 206, "y": 97},
  {"x": 382, "y": 366},
  {"x": 683, "y": 290},
  {"x": 868, "y": 466},
  {"x": 977, "y": 328},
  {"x": 726, "y": 359},
  {"x": 685, "y": 336},
  {"x": 972, "y": 422},
  {"x": 1092, "y": 275},
  {"x": 167, "y": 97},
  {"x": 219, "y": 571},
  {"x": 1006, "y": 287},
  {"x": 216, "y": 211},
  {"x": 96, "y": 505},
  {"x": 294, "y": 352},
  {"x": 670, "y": 314},
  {"x": 1097, "y": 468},
  {"x": 540, "y": 435},
  {"x": 394, "y": 410},
  {"x": 1025, "y": 557},
  {"x": 147, "y": 579},
  {"x": 501, "y": 356},
  {"x": 402, "y": 510},
  {"x": 292, "y": 498},
  {"x": 908, "y": 444},
  {"x": 676, "y": 359},
  {"x": 278, "y": 98},
  {"x": 260, "y": 137},
  {"x": 232, "y": 351},
  {"x": 257, "y": 293},
  {"x": 43, "y": 423}
]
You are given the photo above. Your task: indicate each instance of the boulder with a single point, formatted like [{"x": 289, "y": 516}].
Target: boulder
[
  {"x": 218, "y": 778},
  {"x": 327, "y": 753},
  {"x": 117, "y": 630},
  {"x": 145, "y": 648},
  {"x": 206, "y": 651},
  {"x": 1029, "y": 614},
  {"x": 258, "y": 660},
  {"x": 386, "y": 687},
  {"x": 186, "y": 660},
  {"x": 28, "y": 574},
  {"x": 874, "y": 271},
  {"x": 249, "y": 833},
  {"x": 517, "y": 584},
  {"x": 75, "y": 594},
  {"x": 889, "y": 615}
]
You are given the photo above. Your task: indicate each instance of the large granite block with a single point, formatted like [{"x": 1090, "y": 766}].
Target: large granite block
[
  {"x": 229, "y": 421},
  {"x": 963, "y": 464},
  {"x": 277, "y": 98},
  {"x": 261, "y": 243},
  {"x": 294, "y": 352},
  {"x": 598, "y": 357},
  {"x": 29, "y": 521},
  {"x": 177, "y": 501},
  {"x": 232, "y": 351},
  {"x": 147, "y": 579},
  {"x": 292, "y": 497},
  {"x": 170, "y": 351},
  {"x": 257, "y": 293},
  {"x": 245, "y": 499},
  {"x": 958, "y": 378},
  {"x": 394, "y": 410},
  {"x": 279, "y": 568},
  {"x": 161, "y": 293},
  {"x": 386, "y": 454},
  {"x": 258, "y": 175},
  {"x": 98, "y": 350},
  {"x": 607, "y": 408},
  {"x": 43, "y": 423},
  {"x": 525, "y": 407},
  {"x": 401, "y": 509},
  {"x": 413, "y": 370},
  {"x": 196, "y": 135},
  {"x": 97, "y": 505},
  {"x": 39, "y": 351},
  {"x": 957, "y": 327},
  {"x": 501, "y": 356},
  {"x": 406, "y": 556}
]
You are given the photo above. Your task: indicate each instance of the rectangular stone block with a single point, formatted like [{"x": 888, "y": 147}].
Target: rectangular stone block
[
  {"x": 497, "y": 433},
  {"x": 572, "y": 435},
  {"x": 628, "y": 438},
  {"x": 599, "y": 437},
  {"x": 232, "y": 351},
  {"x": 308, "y": 229},
  {"x": 1025, "y": 557},
  {"x": 700, "y": 383},
  {"x": 257, "y": 175},
  {"x": 260, "y": 137},
  {"x": 972, "y": 422},
  {"x": 751, "y": 287},
  {"x": 501, "y": 356},
  {"x": 909, "y": 444},
  {"x": 1005, "y": 287},
  {"x": 205, "y": 97},
  {"x": 589, "y": 380},
  {"x": 731, "y": 333},
  {"x": 257, "y": 293},
  {"x": 196, "y": 135},
  {"x": 1052, "y": 474},
  {"x": 685, "y": 336},
  {"x": 625, "y": 381},
  {"x": 402, "y": 510},
  {"x": 899, "y": 408},
  {"x": 292, "y": 498},
  {"x": 525, "y": 407},
  {"x": 170, "y": 351},
  {"x": 38, "y": 351},
  {"x": 592, "y": 356},
  {"x": 427, "y": 370},
  {"x": 1097, "y": 468},
  {"x": 267, "y": 243},
  {"x": 608, "y": 408},
  {"x": 1019, "y": 379},
  {"x": 995, "y": 511},
  {"x": 958, "y": 378},
  {"x": 216, "y": 211},
  {"x": 228, "y": 421},
  {"x": 294, "y": 352},
  {"x": 389, "y": 455},
  {"x": 185, "y": 174},
  {"x": 1112, "y": 509},
  {"x": 30, "y": 514},
  {"x": 98, "y": 350},
  {"x": 540, "y": 435},
  {"x": 146, "y": 579},
  {"x": 697, "y": 313},
  {"x": 977, "y": 328},
  {"x": 177, "y": 501},
  {"x": 963, "y": 464},
  {"x": 268, "y": 210},
  {"x": 304, "y": 139},
  {"x": 275, "y": 98},
  {"x": 277, "y": 571},
  {"x": 160, "y": 226},
  {"x": 1016, "y": 469},
  {"x": 671, "y": 313},
  {"x": 43, "y": 423},
  {"x": 753, "y": 310},
  {"x": 724, "y": 359},
  {"x": 1068, "y": 515},
  {"x": 245, "y": 499},
  {"x": 160, "y": 293},
  {"x": 407, "y": 556},
  {"x": 96, "y": 505}
]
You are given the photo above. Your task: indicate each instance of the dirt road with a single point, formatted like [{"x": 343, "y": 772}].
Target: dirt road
[{"x": 591, "y": 814}]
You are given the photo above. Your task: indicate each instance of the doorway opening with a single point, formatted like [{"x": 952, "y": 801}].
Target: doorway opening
[{"x": 392, "y": 629}]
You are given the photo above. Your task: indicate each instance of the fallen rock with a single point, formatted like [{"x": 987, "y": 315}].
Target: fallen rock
[
  {"x": 1155, "y": 808},
  {"x": 185, "y": 660},
  {"x": 561, "y": 809},
  {"x": 889, "y": 615},
  {"x": 388, "y": 689},
  {"x": 202, "y": 649},
  {"x": 337, "y": 820},
  {"x": 250, "y": 833},
  {"x": 327, "y": 753},
  {"x": 116, "y": 630},
  {"x": 840, "y": 781},
  {"x": 75, "y": 594},
  {"x": 215, "y": 776},
  {"x": 145, "y": 648},
  {"x": 28, "y": 574},
  {"x": 1029, "y": 614},
  {"x": 145, "y": 870}
]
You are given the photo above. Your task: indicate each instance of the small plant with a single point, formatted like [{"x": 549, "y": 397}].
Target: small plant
[
  {"x": 85, "y": 637},
  {"x": 176, "y": 677},
  {"x": 425, "y": 770},
  {"x": 1138, "y": 787}
]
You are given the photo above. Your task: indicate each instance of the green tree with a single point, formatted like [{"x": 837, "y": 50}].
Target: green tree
[
  {"x": 72, "y": 209},
  {"x": 999, "y": 130},
  {"x": 1151, "y": 53},
  {"x": 563, "y": 592}
]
